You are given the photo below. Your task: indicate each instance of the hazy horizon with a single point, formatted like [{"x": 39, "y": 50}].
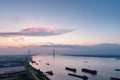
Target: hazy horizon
[{"x": 99, "y": 49}]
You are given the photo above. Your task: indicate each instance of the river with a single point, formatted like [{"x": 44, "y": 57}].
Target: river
[{"x": 105, "y": 66}]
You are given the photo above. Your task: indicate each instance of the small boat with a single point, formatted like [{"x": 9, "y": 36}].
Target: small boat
[
  {"x": 36, "y": 63},
  {"x": 82, "y": 77},
  {"x": 49, "y": 73},
  {"x": 71, "y": 69},
  {"x": 47, "y": 64},
  {"x": 112, "y": 78},
  {"x": 94, "y": 72},
  {"x": 85, "y": 61}
]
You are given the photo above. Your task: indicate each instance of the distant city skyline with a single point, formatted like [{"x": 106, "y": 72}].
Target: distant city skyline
[{"x": 59, "y": 22}]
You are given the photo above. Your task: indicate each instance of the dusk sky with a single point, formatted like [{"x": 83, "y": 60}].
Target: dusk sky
[{"x": 63, "y": 22}]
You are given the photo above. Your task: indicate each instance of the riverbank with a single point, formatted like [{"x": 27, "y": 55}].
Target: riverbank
[{"x": 37, "y": 74}]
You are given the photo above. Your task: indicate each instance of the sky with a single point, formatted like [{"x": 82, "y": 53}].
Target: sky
[{"x": 59, "y": 22}]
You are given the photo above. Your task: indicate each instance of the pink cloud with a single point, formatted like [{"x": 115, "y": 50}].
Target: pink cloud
[{"x": 38, "y": 31}]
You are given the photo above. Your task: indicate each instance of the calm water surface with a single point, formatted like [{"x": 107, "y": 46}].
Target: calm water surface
[{"x": 105, "y": 66}]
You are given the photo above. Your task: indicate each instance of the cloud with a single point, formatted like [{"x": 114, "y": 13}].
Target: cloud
[
  {"x": 18, "y": 39},
  {"x": 100, "y": 49},
  {"x": 60, "y": 46},
  {"x": 38, "y": 31}
]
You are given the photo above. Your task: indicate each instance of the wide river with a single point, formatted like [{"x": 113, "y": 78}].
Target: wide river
[{"x": 105, "y": 66}]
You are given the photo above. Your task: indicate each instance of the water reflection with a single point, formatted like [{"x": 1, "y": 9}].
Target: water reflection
[{"x": 105, "y": 66}]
